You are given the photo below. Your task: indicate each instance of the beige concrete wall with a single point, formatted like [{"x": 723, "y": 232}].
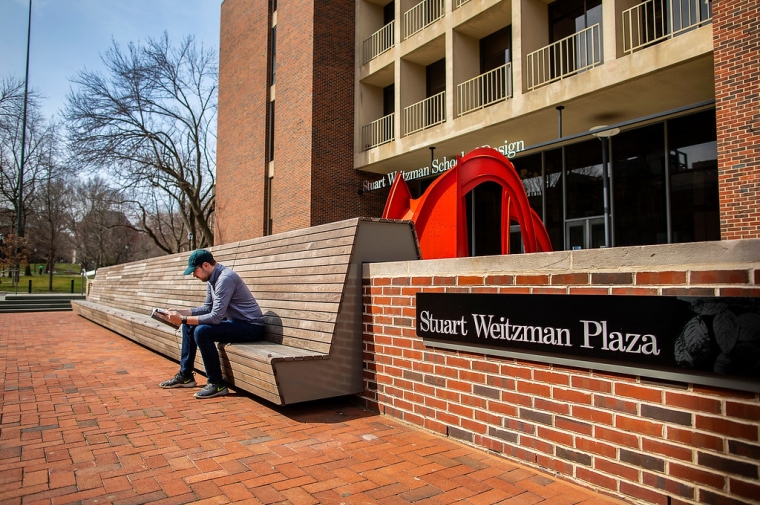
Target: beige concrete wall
[
  {"x": 466, "y": 62},
  {"x": 534, "y": 25},
  {"x": 672, "y": 74},
  {"x": 620, "y": 7},
  {"x": 412, "y": 91}
]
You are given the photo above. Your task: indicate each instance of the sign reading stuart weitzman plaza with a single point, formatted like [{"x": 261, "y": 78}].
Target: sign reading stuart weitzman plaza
[{"x": 709, "y": 336}]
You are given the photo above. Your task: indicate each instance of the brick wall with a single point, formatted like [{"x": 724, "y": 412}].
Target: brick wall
[
  {"x": 736, "y": 38},
  {"x": 241, "y": 163},
  {"x": 632, "y": 437},
  {"x": 333, "y": 190},
  {"x": 294, "y": 122},
  {"x": 334, "y": 183},
  {"x": 314, "y": 179}
]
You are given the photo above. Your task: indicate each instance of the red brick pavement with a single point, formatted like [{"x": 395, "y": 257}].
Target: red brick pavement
[{"x": 84, "y": 422}]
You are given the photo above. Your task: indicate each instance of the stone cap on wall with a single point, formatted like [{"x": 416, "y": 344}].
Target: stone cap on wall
[{"x": 687, "y": 256}]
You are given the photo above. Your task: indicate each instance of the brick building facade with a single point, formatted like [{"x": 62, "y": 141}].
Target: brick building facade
[
  {"x": 317, "y": 103},
  {"x": 243, "y": 92},
  {"x": 736, "y": 35},
  {"x": 285, "y": 148}
]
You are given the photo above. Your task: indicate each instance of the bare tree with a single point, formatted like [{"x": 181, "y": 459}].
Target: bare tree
[
  {"x": 97, "y": 224},
  {"x": 102, "y": 231},
  {"x": 161, "y": 219},
  {"x": 40, "y": 138},
  {"x": 13, "y": 252},
  {"x": 11, "y": 97},
  {"x": 49, "y": 225},
  {"x": 151, "y": 121}
]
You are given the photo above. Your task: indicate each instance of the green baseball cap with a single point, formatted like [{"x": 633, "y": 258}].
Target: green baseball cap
[{"x": 196, "y": 259}]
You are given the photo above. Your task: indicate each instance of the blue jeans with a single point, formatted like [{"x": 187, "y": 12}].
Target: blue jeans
[{"x": 205, "y": 336}]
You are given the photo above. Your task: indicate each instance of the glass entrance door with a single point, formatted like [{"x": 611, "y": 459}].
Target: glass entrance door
[{"x": 585, "y": 233}]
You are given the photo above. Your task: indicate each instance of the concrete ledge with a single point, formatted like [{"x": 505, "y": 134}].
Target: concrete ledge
[{"x": 729, "y": 253}]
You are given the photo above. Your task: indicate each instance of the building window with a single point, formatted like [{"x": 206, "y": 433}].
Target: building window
[
  {"x": 531, "y": 175},
  {"x": 495, "y": 49},
  {"x": 647, "y": 207},
  {"x": 583, "y": 166},
  {"x": 567, "y": 17},
  {"x": 693, "y": 168},
  {"x": 389, "y": 13},
  {"x": 554, "y": 216},
  {"x": 271, "y": 131},
  {"x": 435, "y": 74},
  {"x": 273, "y": 59},
  {"x": 638, "y": 171},
  {"x": 389, "y": 100}
]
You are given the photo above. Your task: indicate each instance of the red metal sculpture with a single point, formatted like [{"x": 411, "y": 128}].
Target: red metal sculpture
[{"x": 439, "y": 215}]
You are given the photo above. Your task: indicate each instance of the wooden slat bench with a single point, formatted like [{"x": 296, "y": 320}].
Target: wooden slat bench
[{"x": 308, "y": 284}]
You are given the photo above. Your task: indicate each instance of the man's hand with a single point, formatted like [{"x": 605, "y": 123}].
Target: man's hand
[{"x": 175, "y": 317}]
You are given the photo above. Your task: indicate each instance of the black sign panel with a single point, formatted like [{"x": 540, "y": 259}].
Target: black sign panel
[{"x": 713, "y": 336}]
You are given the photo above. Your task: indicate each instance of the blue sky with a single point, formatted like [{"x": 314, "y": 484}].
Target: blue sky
[{"x": 69, "y": 35}]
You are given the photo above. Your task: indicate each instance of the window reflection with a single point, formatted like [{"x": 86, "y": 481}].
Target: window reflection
[
  {"x": 573, "y": 206},
  {"x": 584, "y": 179},
  {"x": 692, "y": 151},
  {"x": 639, "y": 186},
  {"x": 554, "y": 220}
]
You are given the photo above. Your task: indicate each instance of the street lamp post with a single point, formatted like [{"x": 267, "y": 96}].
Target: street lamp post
[
  {"x": 19, "y": 214},
  {"x": 603, "y": 133}
]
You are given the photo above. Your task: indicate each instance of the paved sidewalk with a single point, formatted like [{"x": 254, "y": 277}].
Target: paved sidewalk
[{"x": 84, "y": 422}]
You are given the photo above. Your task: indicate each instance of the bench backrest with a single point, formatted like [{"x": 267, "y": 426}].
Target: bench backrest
[{"x": 300, "y": 278}]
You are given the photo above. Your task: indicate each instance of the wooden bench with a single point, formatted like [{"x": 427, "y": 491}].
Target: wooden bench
[{"x": 308, "y": 284}]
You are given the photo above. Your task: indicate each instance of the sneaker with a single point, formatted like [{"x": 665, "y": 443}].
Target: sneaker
[
  {"x": 179, "y": 381},
  {"x": 212, "y": 390}
]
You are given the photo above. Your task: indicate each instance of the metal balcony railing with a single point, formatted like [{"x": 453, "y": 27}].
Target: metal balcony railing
[
  {"x": 378, "y": 132},
  {"x": 459, "y": 3},
  {"x": 566, "y": 57},
  {"x": 484, "y": 90},
  {"x": 424, "y": 114},
  {"x": 655, "y": 20},
  {"x": 422, "y": 15},
  {"x": 378, "y": 43}
]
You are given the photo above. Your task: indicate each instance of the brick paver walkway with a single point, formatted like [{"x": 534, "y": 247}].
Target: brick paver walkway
[{"x": 84, "y": 422}]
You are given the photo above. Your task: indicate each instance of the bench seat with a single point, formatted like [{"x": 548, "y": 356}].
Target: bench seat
[{"x": 308, "y": 284}]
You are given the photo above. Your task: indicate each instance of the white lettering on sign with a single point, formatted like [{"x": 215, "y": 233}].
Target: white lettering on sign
[
  {"x": 445, "y": 326},
  {"x": 508, "y": 149},
  {"x": 502, "y": 330},
  {"x": 632, "y": 343},
  {"x": 491, "y": 327}
]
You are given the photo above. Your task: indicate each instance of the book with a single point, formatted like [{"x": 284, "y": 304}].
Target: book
[{"x": 162, "y": 315}]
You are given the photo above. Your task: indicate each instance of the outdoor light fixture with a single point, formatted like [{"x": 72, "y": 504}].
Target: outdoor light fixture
[{"x": 603, "y": 133}]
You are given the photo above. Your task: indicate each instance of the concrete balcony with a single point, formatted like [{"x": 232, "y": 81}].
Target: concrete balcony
[
  {"x": 484, "y": 90},
  {"x": 656, "y": 20}
]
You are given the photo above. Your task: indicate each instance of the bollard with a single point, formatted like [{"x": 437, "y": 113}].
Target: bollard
[
  {"x": 30, "y": 286},
  {"x": 72, "y": 286}
]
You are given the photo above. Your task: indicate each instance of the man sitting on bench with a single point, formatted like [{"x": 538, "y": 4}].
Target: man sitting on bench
[{"x": 230, "y": 314}]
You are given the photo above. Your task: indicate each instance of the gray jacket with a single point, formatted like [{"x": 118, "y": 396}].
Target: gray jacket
[{"x": 227, "y": 296}]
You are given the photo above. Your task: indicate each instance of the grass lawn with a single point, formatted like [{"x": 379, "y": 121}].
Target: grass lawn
[{"x": 63, "y": 274}]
